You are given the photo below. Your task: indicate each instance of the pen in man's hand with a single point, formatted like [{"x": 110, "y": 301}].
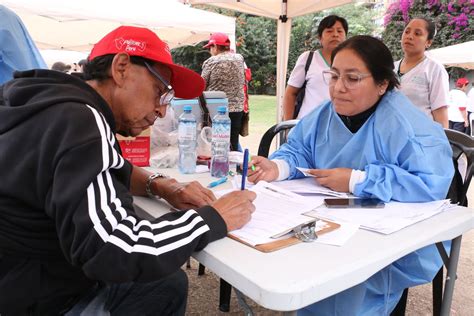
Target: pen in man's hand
[
  {"x": 245, "y": 167},
  {"x": 217, "y": 182}
]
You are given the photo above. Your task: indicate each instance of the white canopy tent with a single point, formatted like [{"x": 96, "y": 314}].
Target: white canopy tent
[
  {"x": 78, "y": 25},
  {"x": 459, "y": 55},
  {"x": 283, "y": 11}
]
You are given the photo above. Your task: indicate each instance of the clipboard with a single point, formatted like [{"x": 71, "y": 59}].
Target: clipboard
[{"x": 288, "y": 241}]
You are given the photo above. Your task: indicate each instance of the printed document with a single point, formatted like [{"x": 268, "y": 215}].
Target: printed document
[
  {"x": 307, "y": 186},
  {"x": 276, "y": 211},
  {"x": 390, "y": 219}
]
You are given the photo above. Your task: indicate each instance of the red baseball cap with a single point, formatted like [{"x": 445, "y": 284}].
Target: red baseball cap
[
  {"x": 218, "y": 39},
  {"x": 461, "y": 82},
  {"x": 138, "y": 41}
]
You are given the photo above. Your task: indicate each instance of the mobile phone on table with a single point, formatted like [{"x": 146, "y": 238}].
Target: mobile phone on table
[{"x": 354, "y": 203}]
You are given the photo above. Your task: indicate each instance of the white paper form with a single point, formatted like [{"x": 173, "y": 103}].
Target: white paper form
[
  {"x": 390, "y": 219},
  {"x": 276, "y": 211},
  {"x": 340, "y": 236},
  {"x": 308, "y": 186}
]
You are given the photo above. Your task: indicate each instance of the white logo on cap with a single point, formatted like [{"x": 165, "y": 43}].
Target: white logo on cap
[{"x": 130, "y": 45}]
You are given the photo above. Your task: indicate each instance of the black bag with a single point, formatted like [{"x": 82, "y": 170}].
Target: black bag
[
  {"x": 244, "y": 129},
  {"x": 206, "y": 117},
  {"x": 301, "y": 93}
]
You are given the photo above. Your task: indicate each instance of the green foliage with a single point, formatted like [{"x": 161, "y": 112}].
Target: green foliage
[
  {"x": 301, "y": 39},
  {"x": 304, "y": 35},
  {"x": 191, "y": 56},
  {"x": 256, "y": 39},
  {"x": 454, "y": 22}
]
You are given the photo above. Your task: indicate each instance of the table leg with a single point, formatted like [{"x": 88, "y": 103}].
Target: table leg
[{"x": 451, "y": 276}]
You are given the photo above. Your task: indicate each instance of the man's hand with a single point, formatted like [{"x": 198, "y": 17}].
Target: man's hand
[
  {"x": 336, "y": 179},
  {"x": 183, "y": 196},
  {"x": 265, "y": 170},
  {"x": 235, "y": 208}
]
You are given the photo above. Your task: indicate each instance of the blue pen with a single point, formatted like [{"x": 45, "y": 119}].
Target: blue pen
[
  {"x": 245, "y": 167},
  {"x": 217, "y": 182}
]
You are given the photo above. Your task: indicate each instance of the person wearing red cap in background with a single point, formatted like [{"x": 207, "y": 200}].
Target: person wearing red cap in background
[
  {"x": 458, "y": 103},
  {"x": 70, "y": 240},
  {"x": 224, "y": 71}
]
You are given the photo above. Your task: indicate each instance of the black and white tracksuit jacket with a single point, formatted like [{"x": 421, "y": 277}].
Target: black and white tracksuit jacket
[{"x": 66, "y": 214}]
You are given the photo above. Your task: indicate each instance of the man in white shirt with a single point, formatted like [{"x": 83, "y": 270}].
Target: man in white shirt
[{"x": 458, "y": 103}]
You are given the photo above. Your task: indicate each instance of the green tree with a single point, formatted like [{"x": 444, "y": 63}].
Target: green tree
[
  {"x": 304, "y": 34},
  {"x": 256, "y": 40}
]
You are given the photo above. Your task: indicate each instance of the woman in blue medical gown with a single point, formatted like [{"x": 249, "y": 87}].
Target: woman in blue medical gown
[{"x": 371, "y": 141}]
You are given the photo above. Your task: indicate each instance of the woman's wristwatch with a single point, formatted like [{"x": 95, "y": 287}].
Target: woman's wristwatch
[{"x": 150, "y": 180}]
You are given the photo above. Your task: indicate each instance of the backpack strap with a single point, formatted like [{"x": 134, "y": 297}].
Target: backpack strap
[
  {"x": 301, "y": 93},
  {"x": 308, "y": 63},
  {"x": 206, "y": 118}
]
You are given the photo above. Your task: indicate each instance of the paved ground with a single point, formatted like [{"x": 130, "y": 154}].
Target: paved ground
[{"x": 204, "y": 290}]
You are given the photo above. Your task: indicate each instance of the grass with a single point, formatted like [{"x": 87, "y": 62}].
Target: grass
[{"x": 263, "y": 110}]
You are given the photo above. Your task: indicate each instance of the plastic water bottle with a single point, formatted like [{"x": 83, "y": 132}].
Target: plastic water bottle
[
  {"x": 187, "y": 141},
  {"x": 220, "y": 143}
]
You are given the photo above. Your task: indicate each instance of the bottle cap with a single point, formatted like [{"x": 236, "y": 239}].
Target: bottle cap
[
  {"x": 187, "y": 108},
  {"x": 222, "y": 108}
]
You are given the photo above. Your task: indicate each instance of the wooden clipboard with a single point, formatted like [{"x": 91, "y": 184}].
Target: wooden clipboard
[{"x": 282, "y": 243}]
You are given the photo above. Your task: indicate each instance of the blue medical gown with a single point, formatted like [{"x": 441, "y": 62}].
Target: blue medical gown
[
  {"x": 406, "y": 157},
  {"x": 17, "y": 49}
]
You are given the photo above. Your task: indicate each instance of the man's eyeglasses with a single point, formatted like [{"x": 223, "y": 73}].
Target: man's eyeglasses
[
  {"x": 350, "y": 80},
  {"x": 168, "y": 95}
]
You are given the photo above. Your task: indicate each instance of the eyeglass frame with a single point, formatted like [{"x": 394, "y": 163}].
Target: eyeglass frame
[
  {"x": 360, "y": 77},
  {"x": 168, "y": 95}
]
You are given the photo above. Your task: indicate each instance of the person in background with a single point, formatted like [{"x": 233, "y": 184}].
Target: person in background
[
  {"x": 458, "y": 103},
  {"x": 423, "y": 80},
  {"x": 371, "y": 141},
  {"x": 224, "y": 71},
  {"x": 70, "y": 240},
  {"x": 60, "y": 66},
  {"x": 18, "y": 50},
  {"x": 470, "y": 107},
  {"x": 81, "y": 65},
  {"x": 332, "y": 30}
]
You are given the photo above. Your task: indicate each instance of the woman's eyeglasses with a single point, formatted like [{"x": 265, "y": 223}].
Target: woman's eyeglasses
[
  {"x": 350, "y": 80},
  {"x": 168, "y": 95}
]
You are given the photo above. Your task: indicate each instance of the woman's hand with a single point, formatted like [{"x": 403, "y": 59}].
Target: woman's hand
[
  {"x": 336, "y": 179},
  {"x": 264, "y": 170}
]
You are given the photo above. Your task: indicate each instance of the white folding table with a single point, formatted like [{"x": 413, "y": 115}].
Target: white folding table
[{"x": 299, "y": 275}]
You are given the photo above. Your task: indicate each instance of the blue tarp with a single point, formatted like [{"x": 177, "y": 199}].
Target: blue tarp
[{"x": 17, "y": 49}]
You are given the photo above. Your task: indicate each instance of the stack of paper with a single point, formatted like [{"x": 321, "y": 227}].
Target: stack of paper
[
  {"x": 308, "y": 186},
  {"x": 277, "y": 211},
  {"x": 390, "y": 219}
]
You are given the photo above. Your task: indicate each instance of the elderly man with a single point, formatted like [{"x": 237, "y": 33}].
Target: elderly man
[{"x": 70, "y": 241}]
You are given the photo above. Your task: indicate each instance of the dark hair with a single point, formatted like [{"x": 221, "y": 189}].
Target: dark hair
[
  {"x": 430, "y": 26},
  {"x": 98, "y": 68},
  {"x": 222, "y": 48},
  {"x": 376, "y": 56},
  {"x": 329, "y": 21}
]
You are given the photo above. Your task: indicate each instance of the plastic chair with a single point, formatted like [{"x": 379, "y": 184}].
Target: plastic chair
[
  {"x": 280, "y": 128},
  {"x": 461, "y": 144}
]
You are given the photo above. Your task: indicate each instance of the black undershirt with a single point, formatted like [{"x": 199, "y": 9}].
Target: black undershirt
[{"x": 355, "y": 122}]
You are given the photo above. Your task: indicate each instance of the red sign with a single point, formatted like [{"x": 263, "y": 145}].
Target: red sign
[{"x": 137, "y": 151}]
